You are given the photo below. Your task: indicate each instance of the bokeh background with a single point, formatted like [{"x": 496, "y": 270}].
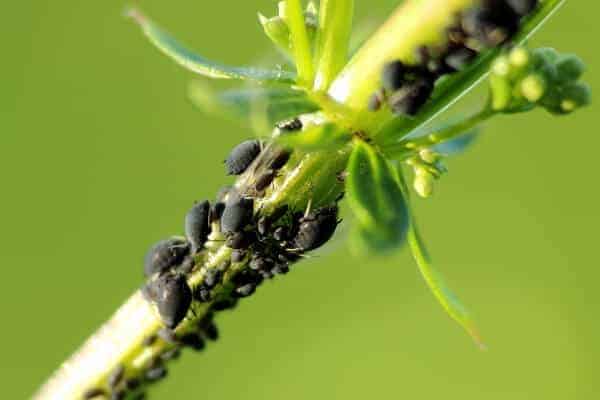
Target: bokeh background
[{"x": 101, "y": 155}]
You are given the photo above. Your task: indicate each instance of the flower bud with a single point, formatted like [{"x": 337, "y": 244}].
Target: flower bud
[
  {"x": 423, "y": 183},
  {"x": 533, "y": 87},
  {"x": 575, "y": 95},
  {"x": 277, "y": 30},
  {"x": 569, "y": 68}
]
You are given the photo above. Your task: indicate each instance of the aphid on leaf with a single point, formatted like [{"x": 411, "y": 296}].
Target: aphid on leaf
[
  {"x": 523, "y": 7},
  {"x": 170, "y": 354},
  {"x": 132, "y": 384},
  {"x": 264, "y": 180},
  {"x": 118, "y": 395},
  {"x": 411, "y": 97},
  {"x": 245, "y": 290},
  {"x": 280, "y": 269},
  {"x": 237, "y": 214},
  {"x": 376, "y": 100},
  {"x": 173, "y": 299},
  {"x": 155, "y": 373},
  {"x": 165, "y": 255},
  {"x": 193, "y": 341},
  {"x": 240, "y": 240},
  {"x": 492, "y": 22},
  {"x": 290, "y": 125},
  {"x": 202, "y": 294},
  {"x": 242, "y": 156},
  {"x": 210, "y": 330},
  {"x": 238, "y": 255},
  {"x": 316, "y": 228},
  {"x": 459, "y": 58},
  {"x": 212, "y": 277}
]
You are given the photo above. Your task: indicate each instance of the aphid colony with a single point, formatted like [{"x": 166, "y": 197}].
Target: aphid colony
[
  {"x": 407, "y": 87},
  {"x": 262, "y": 245}
]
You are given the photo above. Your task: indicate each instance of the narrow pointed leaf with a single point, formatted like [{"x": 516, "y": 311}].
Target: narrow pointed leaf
[
  {"x": 269, "y": 104},
  {"x": 448, "y": 300},
  {"x": 278, "y": 32},
  {"x": 300, "y": 40},
  {"x": 333, "y": 37},
  {"x": 200, "y": 65},
  {"x": 375, "y": 197}
]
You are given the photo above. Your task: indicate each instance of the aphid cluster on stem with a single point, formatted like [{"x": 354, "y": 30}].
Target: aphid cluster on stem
[{"x": 407, "y": 87}]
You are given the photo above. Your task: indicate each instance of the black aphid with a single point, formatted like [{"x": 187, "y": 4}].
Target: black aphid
[
  {"x": 155, "y": 373},
  {"x": 291, "y": 125},
  {"x": 237, "y": 214},
  {"x": 93, "y": 393},
  {"x": 523, "y": 7},
  {"x": 197, "y": 226},
  {"x": 245, "y": 290},
  {"x": 210, "y": 330},
  {"x": 376, "y": 100},
  {"x": 193, "y": 341},
  {"x": 459, "y": 58},
  {"x": 116, "y": 376},
  {"x": 280, "y": 234},
  {"x": 132, "y": 384},
  {"x": 202, "y": 294},
  {"x": 172, "y": 354},
  {"x": 264, "y": 180},
  {"x": 224, "y": 266},
  {"x": 173, "y": 299},
  {"x": 216, "y": 211},
  {"x": 280, "y": 269},
  {"x": 149, "y": 340},
  {"x": 266, "y": 274},
  {"x": 186, "y": 266},
  {"x": 492, "y": 22},
  {"x": 238, "y": 255},
  {"x": 212, "y": 278},
  {"x": 224, "y": 304},
  {"x": 242, "y": 156},
  {"x": 392, "y": 76},
  {"x": 118, "y": 395},
  {"x": 411, "y": 97},
  {"x": 280, "y": 159},
  {"x": 316, "y": 228},
  {"x": 164, "y": 255},
  {"x": 167, "y": 335},
  {"x": 260, "y": 263},
  {"x": 240, "y": 240}
]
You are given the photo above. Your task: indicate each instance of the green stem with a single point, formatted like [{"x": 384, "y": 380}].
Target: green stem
[
  {"x": 333, "y": 38},
  {"x": 300, "y": 42}
]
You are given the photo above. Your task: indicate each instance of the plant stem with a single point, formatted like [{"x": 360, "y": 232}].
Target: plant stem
[{"x": 300, "y": 42}]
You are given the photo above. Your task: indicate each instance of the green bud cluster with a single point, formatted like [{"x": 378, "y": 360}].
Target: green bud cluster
[
  {"x": 427, "y": 167},
  {"x": 522, "y": 79},
  {"x": 277, "y": 29}
]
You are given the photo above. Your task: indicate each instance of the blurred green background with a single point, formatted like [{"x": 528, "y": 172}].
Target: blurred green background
[{"x": 101, "y": 155}]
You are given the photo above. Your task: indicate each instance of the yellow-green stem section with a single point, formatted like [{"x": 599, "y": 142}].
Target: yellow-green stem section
[
  {"x": 300, "y": 43},
  {"x": 413, "y": 24}
]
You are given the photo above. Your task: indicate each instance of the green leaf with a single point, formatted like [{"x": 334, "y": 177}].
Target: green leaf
[
  {"x": 301, "y": 48},
  {"x": 277, "y": 30},
  {"x": 376, "y": 199},
  {"x": 317, "y": 137},
  {"x": 448, "y": 300},
  {"x": 270, "y": 105},
  {"x": 200, "y": 65},
  {"x": 333, "y": 37}
]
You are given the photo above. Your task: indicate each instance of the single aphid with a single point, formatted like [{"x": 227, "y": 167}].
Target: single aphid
[
  {"x": 132, "y": 384},
  {"x": 94, "y": 393},
  {"x": 225, "y": 304},
  {"x": 280, "y": 159},
  {"x": 280, "y": 234},
  {"x": 259, "y": 263},
  {"x": 290, "y": 125},
  {"x": 459, "y": 58},
  {"x": 245, "y": 290},
  {"x": 392, "y": 76},
  {"x": 212, "y": 278},
  {"x": 523, "y": 7},
  {"x": 193, "y": 341},
  {"x": 165, "y": 255},
  {"x": 186, "y": 266},
  {"x": 155, "y": 373},
  {"x": 172, "y": 354},
  {"x": 242, "y": 156},
  {"x": 197, "y": 227},
  {"x": 210, "y": 330},
  {"x": 149, "y": 340},
  {"x": 118, "y": 394},
  {"x": 316, "y": 228},
  {"x": 240, "y": 240},
  {"x": 410, "y": 99},
  {"x": 376, "y": 100},
  {"x": 202, "y": 294},
  {"x": 492, "y": 22},
  {"x": 280, "y": 269},
  {"x": 237, "y": 214},
  {"x": 238, "y": 255},
  {"x": 116, "y": 376},
  {"x": 173, "y": 299},
  {"x": 264, "y": 180},
  {"x": 167, "y": 335}
]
